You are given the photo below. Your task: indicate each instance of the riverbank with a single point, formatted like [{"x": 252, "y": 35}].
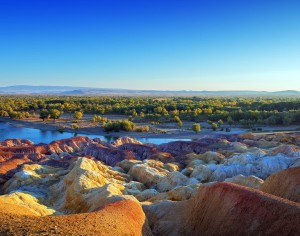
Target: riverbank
[{"x": 168, "y": 133}]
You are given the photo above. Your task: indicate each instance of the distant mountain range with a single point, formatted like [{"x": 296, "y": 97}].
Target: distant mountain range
[{"x": 69, "y": 90}]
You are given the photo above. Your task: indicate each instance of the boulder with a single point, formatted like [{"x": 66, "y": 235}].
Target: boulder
[
  {"x": 87, "y": 186},
  {"x": 170, "y": 181},
  {"x": 145, "y": 174},
  {"x": 147, "y": 194},
  {"x": 240, "y": 147},
  {"x": 127, "y": 164},
  {"x": 124, "y": 140},
  {"x": 248, "y": 181}
]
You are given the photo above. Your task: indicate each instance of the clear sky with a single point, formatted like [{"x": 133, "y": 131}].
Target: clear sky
[{"x": 151, "y": 44}]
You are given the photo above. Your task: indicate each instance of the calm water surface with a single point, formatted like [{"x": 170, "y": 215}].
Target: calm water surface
[{"x": 46, "y": 136}]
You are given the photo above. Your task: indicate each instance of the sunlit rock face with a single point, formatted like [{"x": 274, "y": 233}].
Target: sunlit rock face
[
  {"x": 121, "y": 217},
  {"x": 189, "y": 180},
  {"x": 124, "y": 140},
  {"x": 284, "y": 184},
  {"x": 16, "y": 142},
  {"x": 225, "y": 209},
  {"x": 248, "y": 181}
]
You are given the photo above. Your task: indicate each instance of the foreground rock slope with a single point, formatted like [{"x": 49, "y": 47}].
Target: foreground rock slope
[{"x": 217, "y": 185}]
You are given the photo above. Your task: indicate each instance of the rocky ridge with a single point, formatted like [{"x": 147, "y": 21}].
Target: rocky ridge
[{"x": 71, "y": 177}]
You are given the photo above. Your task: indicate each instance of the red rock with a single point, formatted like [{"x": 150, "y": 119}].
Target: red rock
[
  {"x": 289, "y": 150},
  {"x": 225, "y": 209},
  {"x": 15, "y": 142},
  {"x": 110, "y": 156},
  {"x": 285, "y": 184},
  {"x": 142, "y": 152}
]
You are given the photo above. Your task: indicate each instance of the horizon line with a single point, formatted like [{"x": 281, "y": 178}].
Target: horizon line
[{"x": 163, "y": 90}]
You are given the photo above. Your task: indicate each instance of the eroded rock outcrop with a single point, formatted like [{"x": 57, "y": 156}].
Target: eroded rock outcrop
[
  {"x": 225, "y": 209},
  {"x": 124, "y": 217},
  {"x": 248, "y": 181},
  {"x": 176, "y": 183},
  {"x": 285, "y": 184}
]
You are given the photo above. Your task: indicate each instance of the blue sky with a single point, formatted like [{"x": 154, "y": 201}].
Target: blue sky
[{"x": 151, "y": 44}]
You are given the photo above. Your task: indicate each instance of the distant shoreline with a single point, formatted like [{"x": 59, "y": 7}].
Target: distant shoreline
[{"x": 182, "y": 134}]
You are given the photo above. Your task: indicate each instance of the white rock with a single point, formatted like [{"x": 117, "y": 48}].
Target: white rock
[
  {"x": 171, "y": 180},
  {"x": 248, "y": 181},
  {"x": 147, "y": 194}
]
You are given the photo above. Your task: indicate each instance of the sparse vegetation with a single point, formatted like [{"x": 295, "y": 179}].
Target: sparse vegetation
[
  {"x": 214, "y": 126},
  {"x": 196, "y": 128},
  {"x": 55, "y": 114},
  {"x": 116, "y": 126},
  {"x": 75, "y": 126},
  {"x": 142, "y": 129},
  {"x": 78, "y": 115}
]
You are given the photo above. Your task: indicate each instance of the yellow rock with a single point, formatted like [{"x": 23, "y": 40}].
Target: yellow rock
[{"x": 29, "y": 202}]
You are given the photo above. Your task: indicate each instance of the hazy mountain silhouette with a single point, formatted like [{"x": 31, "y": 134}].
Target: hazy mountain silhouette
[{"x": 70, "y": 90}]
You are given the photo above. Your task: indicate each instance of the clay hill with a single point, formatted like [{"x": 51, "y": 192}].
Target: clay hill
[{"x": 218, "y": 185}]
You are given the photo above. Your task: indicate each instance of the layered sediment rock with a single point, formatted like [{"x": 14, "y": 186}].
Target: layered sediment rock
[
  {"x": 225, "y": 209},
  {"x": 177, "y": 184},
  {"x": 124, "y": 217},
  {"x": 284, "y": 184}
]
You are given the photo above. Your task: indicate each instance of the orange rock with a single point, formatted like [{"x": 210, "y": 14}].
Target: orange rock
[
  {"x": 285, "y": 184},
  {"x": 225, "y": 209},
  {"x": 125, "y": 217}
]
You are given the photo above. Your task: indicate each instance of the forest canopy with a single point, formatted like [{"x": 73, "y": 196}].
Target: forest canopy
[{"x": 246, "y": 111}]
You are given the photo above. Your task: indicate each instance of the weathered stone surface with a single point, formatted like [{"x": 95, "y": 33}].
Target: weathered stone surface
[
  {"x": 225, "y": 209},
  {"x": 248, "y": 181},
  {"x": 145, "y": 174},
  {"x": 147, "y": 194},
  {"x": 171, "y": 180},
  {"x": 124, "y": 140},
  {"x": 124, "y": 217},
  {"x": 28, "y": 201},
  {"x": 285, "y": 184},
  {"x": 81, "y": 175}
]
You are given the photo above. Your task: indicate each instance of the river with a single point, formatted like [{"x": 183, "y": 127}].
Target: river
[{"x": 46, "y": 136}]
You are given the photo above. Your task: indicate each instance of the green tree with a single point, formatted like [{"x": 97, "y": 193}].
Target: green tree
[
  {"x": 4, "y": 113},
  {"x": 287, "y": 119},
  {"x": 44, "y": 114},
  {"x": 75, "y": 126},
  {"x": 214, "y": 126},
  {"x": 13, "y": 115},
  {"x": 220, "y": 122},
  {"x": 196, "y": 127},
  {"x": 78, "y": 115},
  {"x": 127, "y": 125},
  {"x": 230, "y": 120},
  {"x": 54, "y": 114}
]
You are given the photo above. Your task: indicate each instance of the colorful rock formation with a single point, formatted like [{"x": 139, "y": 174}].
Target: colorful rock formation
[{"x": 204, "y": 187}]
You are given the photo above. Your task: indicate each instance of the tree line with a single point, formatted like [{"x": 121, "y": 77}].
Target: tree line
[{"x": 246, "y": 111}]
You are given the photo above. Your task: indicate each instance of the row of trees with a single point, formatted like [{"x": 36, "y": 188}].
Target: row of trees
[
  {"x": 53, "y": 114},
  {"x": 243, "y": 110}
]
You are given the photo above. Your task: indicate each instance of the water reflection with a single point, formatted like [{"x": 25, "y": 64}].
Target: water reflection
[{"x": 46, "y": 136}]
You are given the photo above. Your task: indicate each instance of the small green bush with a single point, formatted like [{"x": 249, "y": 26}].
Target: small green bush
[
  {"x": 142, "y": 129},
  {"x": 75, "y": 126}
]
